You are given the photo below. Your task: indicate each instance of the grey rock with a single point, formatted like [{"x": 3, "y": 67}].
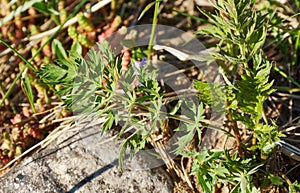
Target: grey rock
[{"x": 82, "y": 161}]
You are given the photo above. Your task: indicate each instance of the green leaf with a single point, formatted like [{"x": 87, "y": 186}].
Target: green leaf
[
  {"x": 76, "y": 48},
  {"x": 195, "y": 114},
  {"x": 254, "y": 88},
  {"x": 205, "y": 185},
  {"x": 185, "y": 139},
  {"x": 176, "y": 108},
  {"x": 106, "y": 50},
  {"x": 54, "y": 74},
  {"x": 294, "y": 187},
  {"x": 276, "y": 180},
  {"x": 109, "y": 121},
  {"x": 83, "y": 96},
  {"x": 212, "y": 94},
  {"x": 42, "y": 7},
  {"x": 266, "y": 135},
  {"x": 221, "y": 171},
  {"x": 58, "y": 50},
  {"x": 45, "y": 8},
  {"x": 28, "y": 91},
  {"x": 146, "y": 9}
]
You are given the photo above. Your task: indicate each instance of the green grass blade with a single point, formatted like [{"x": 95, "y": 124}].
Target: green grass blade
[
  {"x": 153, "y": 30},
  {"x": 284, "y": 75},
  {"x": 192, "y": 17},
  {"x": 146, "y": 9},
  {"x": 27, "y": 62}
]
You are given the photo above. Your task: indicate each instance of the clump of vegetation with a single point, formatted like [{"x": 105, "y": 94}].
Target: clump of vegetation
[{"x": 132, "y": 101}]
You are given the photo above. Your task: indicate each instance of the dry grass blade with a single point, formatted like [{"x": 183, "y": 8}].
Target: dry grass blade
[{"x": 289, "y": 150}]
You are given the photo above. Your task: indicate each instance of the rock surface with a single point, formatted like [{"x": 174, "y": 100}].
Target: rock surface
[{"x": 82, "y": 161}]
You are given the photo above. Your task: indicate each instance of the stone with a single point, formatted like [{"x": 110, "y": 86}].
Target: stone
[{"x": 83, "y": 160}]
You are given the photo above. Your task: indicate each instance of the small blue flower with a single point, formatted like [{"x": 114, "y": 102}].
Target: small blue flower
[{"x": 138, "y": 65}]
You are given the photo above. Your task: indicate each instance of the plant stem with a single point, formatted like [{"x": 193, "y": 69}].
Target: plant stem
[
  {"x": 234, "y": 127},
  {"x": 242, "y": 50},
  {"x": 204, "y": 121},
  {"x": 153, "y": 30},
  {"x": 179, "y": 118}
]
